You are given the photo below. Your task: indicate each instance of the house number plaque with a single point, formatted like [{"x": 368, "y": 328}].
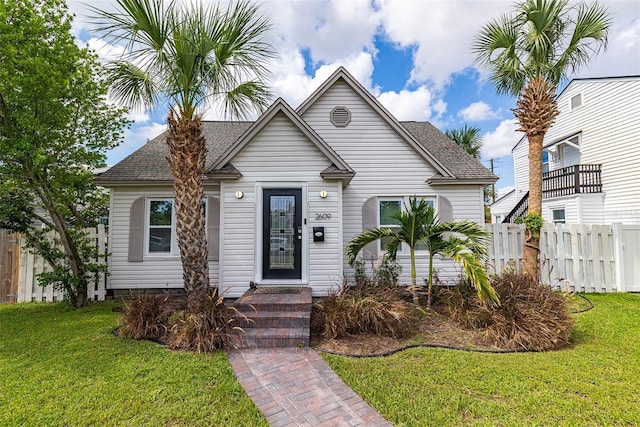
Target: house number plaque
[{"x": 324, "y": 215}]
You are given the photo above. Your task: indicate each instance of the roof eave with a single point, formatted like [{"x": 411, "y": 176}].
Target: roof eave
[
  {"x": 344, "y": 176},
  {"x": 131, "y": 183},
  {"x": 454, "y": 181}
]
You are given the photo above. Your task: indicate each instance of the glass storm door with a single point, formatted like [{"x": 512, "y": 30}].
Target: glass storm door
[{"x": 282, "y": 234}]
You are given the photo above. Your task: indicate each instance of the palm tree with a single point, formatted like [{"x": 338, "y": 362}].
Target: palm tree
[
  {"x": 467, "y": 137},
  {"x": 189, "y": 56},
  {"x": 528, "y": 53},
  {"x": 419, "y": 225}
]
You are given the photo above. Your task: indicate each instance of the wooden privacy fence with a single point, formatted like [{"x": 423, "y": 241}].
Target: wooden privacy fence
[
  {"x": 31, "y": 265},
  {"x": 576, "y": 257},
  {"x": 9, "y": 266}
]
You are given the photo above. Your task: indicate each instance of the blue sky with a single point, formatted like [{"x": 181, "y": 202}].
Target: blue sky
[{"x": 414, "y": 56}]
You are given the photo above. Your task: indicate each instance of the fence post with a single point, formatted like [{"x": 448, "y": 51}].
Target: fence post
[{"x": 618, "y": 250}]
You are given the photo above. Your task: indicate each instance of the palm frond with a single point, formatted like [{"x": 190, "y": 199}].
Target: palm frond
[
  {"x": 190, "y": 52},
  {"x": 541, "y": 38},
  {"x": 358, "y": 243},
  {"x": 131, "y": 84},
  {"x": 474, "y": 269}
]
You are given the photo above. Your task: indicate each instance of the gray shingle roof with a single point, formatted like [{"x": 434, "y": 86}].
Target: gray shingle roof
[
  {"x": 461, "y": 164},
  {"x": 149, "y": 162}
]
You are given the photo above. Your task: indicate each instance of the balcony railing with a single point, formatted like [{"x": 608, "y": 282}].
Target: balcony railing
[{"x": 576, "y": 179}]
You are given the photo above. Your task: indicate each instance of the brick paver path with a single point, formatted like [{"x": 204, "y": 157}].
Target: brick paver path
[{"x": 295, "y": 387}]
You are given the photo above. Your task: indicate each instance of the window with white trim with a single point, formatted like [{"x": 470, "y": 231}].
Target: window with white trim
[
  {"x": 545, "y": 161},
  {"x": 576, "y": 101},
  {"x": 161, "y": 227},
  {"x": 387, "y": 208},
  {"x": 559, "y": 216}
]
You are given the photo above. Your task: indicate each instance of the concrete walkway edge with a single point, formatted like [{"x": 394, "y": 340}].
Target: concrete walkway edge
[{"x": 295, "y": 387}]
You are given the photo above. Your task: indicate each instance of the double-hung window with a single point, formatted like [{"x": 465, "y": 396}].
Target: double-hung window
[
  {"x": 387, "y": 207},
  {"x": 161, "y": 227}
]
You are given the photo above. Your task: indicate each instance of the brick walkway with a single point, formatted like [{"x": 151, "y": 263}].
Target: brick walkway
[{"x": 295, "y": 387}]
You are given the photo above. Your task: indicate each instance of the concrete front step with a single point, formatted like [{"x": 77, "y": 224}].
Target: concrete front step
[
  {"x": 271, "y": 338},
  {"x": 275, "y": 319}
]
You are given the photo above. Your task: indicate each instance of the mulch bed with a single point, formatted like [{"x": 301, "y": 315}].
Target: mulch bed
[{"x": 434, "y": 329}]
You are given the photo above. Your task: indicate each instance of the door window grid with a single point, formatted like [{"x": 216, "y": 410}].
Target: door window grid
[{"x": 282, "y": 232}]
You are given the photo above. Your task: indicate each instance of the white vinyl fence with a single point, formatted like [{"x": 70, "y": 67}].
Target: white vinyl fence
[
  {"x": 31, "y": 265},
  {"x": 575, "y": 257}
]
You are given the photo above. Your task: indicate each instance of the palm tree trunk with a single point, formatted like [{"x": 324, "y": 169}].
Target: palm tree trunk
[
  {"x": 430, "y": 281},
  {"x": 531, "y": 254},
  {"x": 536, "y": 111},
  {"x": 187, "y": 151},
  {"x": 414, "y": 284}
]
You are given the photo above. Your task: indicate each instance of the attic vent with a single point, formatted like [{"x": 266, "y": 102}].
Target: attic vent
[
  {"x": 340, "y": 116},
  {"x": 576, "y": 101}
]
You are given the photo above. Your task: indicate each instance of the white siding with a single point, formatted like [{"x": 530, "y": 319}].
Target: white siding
[
  {"x": 152, "y": 272},
  {"x": 609, "y": 120},
  {"x": 503, "y": 206},
  {"x": 385, "y": 166},
  {"x": 280, "y": 156},
  {"x": 521, "y": 170}
]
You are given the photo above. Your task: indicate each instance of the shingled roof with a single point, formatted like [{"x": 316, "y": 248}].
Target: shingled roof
[
  {"x": 461, "y": 164},
  {"x": 149, "y": 163}
]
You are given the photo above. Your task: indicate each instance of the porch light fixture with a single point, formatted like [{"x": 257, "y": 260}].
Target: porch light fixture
[
  {"x": 239, "y": 194},
  {"x": 323, "y": 194}
]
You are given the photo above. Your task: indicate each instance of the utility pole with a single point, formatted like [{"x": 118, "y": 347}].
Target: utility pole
[{"x": 493, "y": 186}]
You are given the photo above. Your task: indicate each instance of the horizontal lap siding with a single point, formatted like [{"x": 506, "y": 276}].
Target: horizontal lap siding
[
  {"x": 152, "y": 272},
  {"x": 280, "y": 154},
  {"x": 521, "y": 170},
  {"x": 609, "y": 119},
  {"x": 385, "y": 165}
]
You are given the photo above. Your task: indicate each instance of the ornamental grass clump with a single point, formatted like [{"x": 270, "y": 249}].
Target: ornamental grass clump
[
  {"x": 531, "y": 316},
  {"x": 208, "y": 328},
  {"x": 379, "y": 310},
  {"x": 145, "y": 317}
]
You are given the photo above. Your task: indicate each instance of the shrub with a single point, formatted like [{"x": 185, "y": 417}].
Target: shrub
[
  {"x": 380, "y": 310},
  {"x": 208, "y": 328},
  {"x": 145, "y": 317},
  {"x": 531, "y": 316}
]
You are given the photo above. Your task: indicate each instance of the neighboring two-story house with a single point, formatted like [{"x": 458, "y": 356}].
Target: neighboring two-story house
[{"x": 591, "y": 157}]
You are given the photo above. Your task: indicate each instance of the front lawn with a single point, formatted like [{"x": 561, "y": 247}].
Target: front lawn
[
  {"x": 60, "y": 366},
  {"x": 597, "y": 382}
]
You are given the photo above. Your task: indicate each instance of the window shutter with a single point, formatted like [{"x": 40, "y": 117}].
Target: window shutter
[
  {"x": 213, "y": 228},
  {"x": 370, "y": 222},
  {"x": 136, "y": 230},
  {"x": 445, "y": 210}
]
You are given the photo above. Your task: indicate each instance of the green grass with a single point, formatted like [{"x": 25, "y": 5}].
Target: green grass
[
  {"x": 595, "y": 383},
  {"x": 60, "y": 366}
]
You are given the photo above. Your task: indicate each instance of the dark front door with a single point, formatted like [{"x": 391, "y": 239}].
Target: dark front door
[{"x": 282, "y": 234}]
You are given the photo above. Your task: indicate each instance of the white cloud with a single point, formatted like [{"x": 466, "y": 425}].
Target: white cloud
[
  {"x": 294, "y": 85},
  {"x": 500, "y": 142},
  {"x": 622, "y": 57},
  {"x": 412, "y": 105},
  {"x": 441, "y": 32},
  {"x": 478, "y": 111},
  {"x": 331, "y": 30}
]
